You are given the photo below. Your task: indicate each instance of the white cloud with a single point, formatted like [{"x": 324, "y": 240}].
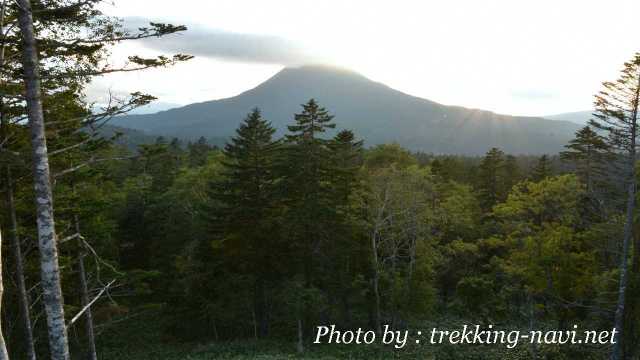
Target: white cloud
[{"x": 484, "y": 54}]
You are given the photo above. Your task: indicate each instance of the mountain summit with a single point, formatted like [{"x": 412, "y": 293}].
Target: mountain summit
[{"x": 375, "y": 112}]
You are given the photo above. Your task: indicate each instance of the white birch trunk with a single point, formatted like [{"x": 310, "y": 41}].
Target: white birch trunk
[
  {"x": 84, "y": 296},
  {"x": 23, "y": 296},
  {"x": 3, "y": 346},
  {"x": 49, "y": 268}
]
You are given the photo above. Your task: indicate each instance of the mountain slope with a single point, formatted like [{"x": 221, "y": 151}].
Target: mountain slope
[
  {"x": 375, "y": 112},
  {"x": 578, "y": 117}
]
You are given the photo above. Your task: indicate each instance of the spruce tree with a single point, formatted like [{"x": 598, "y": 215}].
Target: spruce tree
[
  {"x": 346, "y": 158},
  {"x": 589, "y": 153},
  {"x": 512, "y": 172},
  {"x": 543, "y": 169},
  {"x": 491, "y": 179},
  {"x": 249, "y": 205},
  {"x": 306, "y": 188},
  {"x": 344, "y": 250},
  {"x": 198, "y": 152}
]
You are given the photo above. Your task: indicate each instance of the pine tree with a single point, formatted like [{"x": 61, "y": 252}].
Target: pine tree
[
  {"x": 248, "y": 197},
  {"x": 543, "y": 169},
  {"x": 306, "y": 181},
  {"x": 616, "y": 113},
  {"x": 512, "y": 172},
  {"x": 198, "y": 152},
  {"x": 491, "y": 179},
  {"x": 346, "y": 158},
  {"x": 306, "y": 188},
  {"x": 343, "y": 249},
  {"x": 588, "y": 152}
]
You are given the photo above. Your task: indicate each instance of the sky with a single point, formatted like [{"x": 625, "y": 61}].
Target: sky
[{"x": 520, "y": 57}]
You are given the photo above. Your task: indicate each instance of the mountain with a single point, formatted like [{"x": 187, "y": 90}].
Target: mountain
[
  {"x": 129, "y": 138},
  {"x": 578, "y": 117},
  {"x": 375, "y": 112}
]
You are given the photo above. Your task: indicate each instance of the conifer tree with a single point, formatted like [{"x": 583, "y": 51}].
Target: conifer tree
[
  {"x": 198, "y": 152},
  {"x": 491, "y": 179},
  {"x": 588, "y": 152},
  {"x": 512, "y": 172},
  {"x": 306, "y": 176},
  {"x": 616, "y": 113},
  {"x": 307, "y": 192},
  {"x": 543, "y": 169},
  {"x": 346, "y": 154},
  {"x": 248, "y": 207},
  {"x": 343, "y": 248}
]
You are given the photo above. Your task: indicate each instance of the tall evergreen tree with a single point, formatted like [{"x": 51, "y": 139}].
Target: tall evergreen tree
[
  {"x": 512, "y": 172},
  {"x": 616, "y": 113},
  {"x": 346, "y": 158},
  {"x": 543, "y": 168},
  {"x": 307, "y": 191},
  {"x": 588, "y": 152},
  {"x": 306, "y": 181},
  {"x": 248, "y": 198},
  {"x": 491, "y": 179},
  {"x": 198, "y": 152},
  {"x": 343, "y": 249}
]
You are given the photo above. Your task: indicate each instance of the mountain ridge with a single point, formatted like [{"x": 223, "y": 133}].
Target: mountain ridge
[{"x": 376, "y": 112}]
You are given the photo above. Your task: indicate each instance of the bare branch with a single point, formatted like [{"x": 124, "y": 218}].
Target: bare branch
[{"x": 86, "y": 307}]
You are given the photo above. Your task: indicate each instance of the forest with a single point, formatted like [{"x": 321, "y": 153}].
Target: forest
[{"x": 179, "y": 249}]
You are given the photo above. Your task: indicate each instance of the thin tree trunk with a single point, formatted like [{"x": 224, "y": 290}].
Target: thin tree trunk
[
  {"x": 628, "y": 233},
  {"x": 374, "y": 260},
  {"x": 300, "y": 345},
  {"x": 376, "y": 290},
  {"x": 260, "y": 308},
  {"x": 3, "y": 347},
  {"x": 23, "y": 296},
  {"x": 49, "y": 268},
  {"x": 84, "y": 296}
]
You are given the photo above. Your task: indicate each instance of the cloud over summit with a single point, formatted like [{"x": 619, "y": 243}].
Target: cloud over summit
[{"x": 205, "y": 42}]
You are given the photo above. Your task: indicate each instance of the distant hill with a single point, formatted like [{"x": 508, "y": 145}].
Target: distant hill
[
  {"x": 578, "y": 117},
  {"x": 129, "y": 138},
  {"x": 374, "y": 111},
  {"x": 132, "y": 138}
]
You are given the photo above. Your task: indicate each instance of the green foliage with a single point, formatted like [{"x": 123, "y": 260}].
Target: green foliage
[
  {"x": 588, "y": 152},
  {"x": 491, "y": 179},
  {"x": 543, "y": 169}
]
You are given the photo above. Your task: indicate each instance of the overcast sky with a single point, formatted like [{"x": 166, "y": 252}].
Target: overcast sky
[{"x": 521, "y": 57}]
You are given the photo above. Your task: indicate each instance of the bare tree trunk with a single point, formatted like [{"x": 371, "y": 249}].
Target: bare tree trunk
[
  {"x": 260, "y": 308},
  {"x": 3, "y": 347},
  {"x": 622, "y": 289},
  {"x": 84, "y": 295},
  {"x": 374, "y": 259},
  {"x": 300, "y": 345},
  {"x": 23, "y": 296},
  {"x": 49, "y": 268},
  {"x": 376, "y": 281}
]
